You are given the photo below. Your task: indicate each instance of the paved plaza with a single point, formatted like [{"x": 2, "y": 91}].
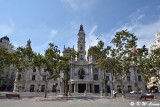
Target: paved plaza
[{"x": 76, "y": 100}]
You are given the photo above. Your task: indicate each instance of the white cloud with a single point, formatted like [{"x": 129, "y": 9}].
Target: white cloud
[
  {"x": 53, "y": 33},
  {"x": 140, "y": 16},
  {"x": 44, "y": 46},
  {"x": 144, "y": 32},
  {"x": 91, "y": 39}
]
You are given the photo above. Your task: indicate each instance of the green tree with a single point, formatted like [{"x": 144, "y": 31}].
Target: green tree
[
  {"x": 65, "y": 67},
  {"x": 101, "y": 57},
  {"x": 21, "y": 59},
  {"x": 155, "y": 62},
  {"x": 123, "y": 41},
  {"x": 50, "y": 63},
  {"x": 4, "y": 59},
  {"x": 149, "y": 64}
]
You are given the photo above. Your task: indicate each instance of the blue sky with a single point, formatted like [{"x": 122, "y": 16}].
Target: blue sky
[{"x": 58, "y": 21}]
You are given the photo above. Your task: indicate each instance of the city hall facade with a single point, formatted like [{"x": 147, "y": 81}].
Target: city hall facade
[{"x": 83, "y": 75}]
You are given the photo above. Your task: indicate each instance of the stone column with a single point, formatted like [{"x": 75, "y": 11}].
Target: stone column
[
  {"x": 74, "y": 88},
  {"x": 86, "y": 87},
  {"x": 77, "y": 88},
  {"x": 89, "y": 88},
  {"x": 92, "y": 88},
  {"x": 71, "y": 73},
  {"x": 91, "y": 71}
]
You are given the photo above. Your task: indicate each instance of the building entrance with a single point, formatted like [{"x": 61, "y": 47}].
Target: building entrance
[
  {"x": 96, "y": 88},
  {"x": 81, "y": 88}
]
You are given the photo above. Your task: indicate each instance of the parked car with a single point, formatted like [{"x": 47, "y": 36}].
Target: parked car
[
  {"x": 116, "y": 92},
  {"x": 133, "y": 92}
]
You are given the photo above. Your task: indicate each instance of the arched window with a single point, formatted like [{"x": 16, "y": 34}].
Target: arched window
[
  {"x": 95, "y": 70},
  {"x": 81, "y": 47},
  {"x": 81, "y": 73}
]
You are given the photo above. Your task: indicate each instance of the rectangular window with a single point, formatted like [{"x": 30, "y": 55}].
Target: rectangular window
[
  {"x": 107, "y": 78},
  {"x": 34, "y": 70},
  {"x": 43, "y": 78},
  {"x": 138, "y": 72},
  {"x": 128, "y": 78},
  {"x": 42, "y": 88},
  {"x": 33, "y": 77},
  {"x": 95, "y": 77},
  {"x": 139, "y": 78},
  {"x": 32, "y": 88}
]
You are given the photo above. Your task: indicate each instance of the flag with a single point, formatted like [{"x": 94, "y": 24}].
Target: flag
[{"x": 80, "y": 71}]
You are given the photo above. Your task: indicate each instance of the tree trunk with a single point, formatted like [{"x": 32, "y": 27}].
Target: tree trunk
[
  {"x": 112, "y": 81},
  {"x": 135, "y": 76},
  {"x": 46, "y": 87},
  {"x": 66, "y": 85},
  {"x": 105, "y": 94},
  {"x": 122, "y": 90}
]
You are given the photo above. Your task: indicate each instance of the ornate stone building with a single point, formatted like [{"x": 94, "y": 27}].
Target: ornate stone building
[
  {"x": 83, "y": 75},
  {"x": 156, "y": 42},
  {"x": 154, "y": 83},
  {"x": 31, "y": 81},
  {"x": 8, "y": 76}
]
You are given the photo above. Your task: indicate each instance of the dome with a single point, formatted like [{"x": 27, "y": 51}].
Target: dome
[{"x": 5, "y": 37}]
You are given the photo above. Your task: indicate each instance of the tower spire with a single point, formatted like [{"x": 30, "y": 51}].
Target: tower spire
[
  {"x": 81, "y": 28},
  {"x": 81, "y": 43}
]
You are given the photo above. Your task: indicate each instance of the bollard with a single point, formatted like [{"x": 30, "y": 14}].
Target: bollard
[
  {"x": 85, "y": 93},
  {"x": 69, "y": 93},
  {"x": 101, "y": 93}
]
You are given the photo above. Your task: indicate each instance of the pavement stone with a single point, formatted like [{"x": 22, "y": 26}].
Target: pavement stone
[{"x": 34, "y": 99}]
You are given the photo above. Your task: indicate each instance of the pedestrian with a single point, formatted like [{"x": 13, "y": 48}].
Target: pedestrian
[{"x": 114, "y": 93}]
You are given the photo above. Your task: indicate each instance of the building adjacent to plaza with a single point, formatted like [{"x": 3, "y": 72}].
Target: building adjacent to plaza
[
  {"x": 84, "y": 75},
  {"x": 8, "y": 76},
  {"x": 154, "y": 83}
]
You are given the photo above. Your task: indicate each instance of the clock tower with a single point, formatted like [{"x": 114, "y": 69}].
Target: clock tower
[{"x": 81, "y": 43}]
